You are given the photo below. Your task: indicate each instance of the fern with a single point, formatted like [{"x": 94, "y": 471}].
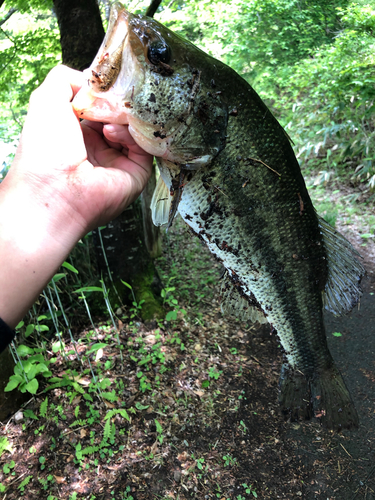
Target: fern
[
  {"x": 43, "y": 407},
  {"x": 112, "y": 413},
  {"x": 107, "y": 431},
  {"x": 81, "y": 422},
  {"x": 111, "y": 396},
  {"x": 90, "y": 450}
]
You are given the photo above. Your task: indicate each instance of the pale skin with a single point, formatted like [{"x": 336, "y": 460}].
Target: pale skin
[{"x": 66, "y": 179}]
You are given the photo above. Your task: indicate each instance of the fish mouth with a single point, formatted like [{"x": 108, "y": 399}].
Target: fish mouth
[{"x": 93, "y": 101}]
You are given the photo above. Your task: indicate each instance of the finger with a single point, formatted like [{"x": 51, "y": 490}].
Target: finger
[
  {"x": 61, "y": 84},
  {"x": 118, "y": 134}
]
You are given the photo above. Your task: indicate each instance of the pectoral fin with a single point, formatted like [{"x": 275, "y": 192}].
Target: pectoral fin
[{"x": 161, "y": 203}]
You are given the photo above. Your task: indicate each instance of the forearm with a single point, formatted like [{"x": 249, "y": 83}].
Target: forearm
[{"x": 35, "y": 238}]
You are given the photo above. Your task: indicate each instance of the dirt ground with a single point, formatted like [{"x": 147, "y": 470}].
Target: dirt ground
[{"x": 208, "y": 424}]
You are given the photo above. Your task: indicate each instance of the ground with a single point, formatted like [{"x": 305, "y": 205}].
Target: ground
[{"x": 191, "y": 411}]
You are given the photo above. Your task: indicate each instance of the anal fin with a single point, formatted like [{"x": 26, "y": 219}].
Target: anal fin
[{"x": 342, "y": 291}]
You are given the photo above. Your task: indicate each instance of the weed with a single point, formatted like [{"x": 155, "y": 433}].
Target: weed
[
  {"x": 229, "y": 460},
  {"x": 249, "y": 489}
]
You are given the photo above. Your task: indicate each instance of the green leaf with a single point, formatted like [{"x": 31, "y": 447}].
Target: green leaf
[
  {"x": 70, "y": 267},
  {"x": 171, "y": 316},
  {"x": 25, "y": 482},
  {"x": 127, "y": 284},
  {"x": 89, "y": 289},
  {"x": 13, "y": 383},
  {"x": 29, "y": 330},
  {"x": 159, "y": 428},
  {"x": 20, "y": 325},
  {"x": 141, "y": 407},
  {"x": 58, "y": 277},
  {"x": 145, "y": 360},
  {"x": 30, "y": 414},
  {"x": 32, "y": 386},
  {"x": 43, "y": 407},
  {"x": 337, "y": 334},
  {"x": 23, "y": 350},
  {"x": 96, "y": 347},
  {"x": 4, "y": 445}
]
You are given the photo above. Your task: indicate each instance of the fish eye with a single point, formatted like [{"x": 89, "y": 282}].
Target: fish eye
[{"x": 158, "y": 52}]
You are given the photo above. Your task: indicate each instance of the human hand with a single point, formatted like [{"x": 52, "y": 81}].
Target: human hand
[
  {"x": 86, "y": 172},
  {"x": 66, "y": 179}
]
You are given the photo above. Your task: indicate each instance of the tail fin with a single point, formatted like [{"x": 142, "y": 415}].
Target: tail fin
[{"x": 324, "y": 396}]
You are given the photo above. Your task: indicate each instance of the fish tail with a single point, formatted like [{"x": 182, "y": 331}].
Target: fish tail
[{"x": 323, "y": 396}]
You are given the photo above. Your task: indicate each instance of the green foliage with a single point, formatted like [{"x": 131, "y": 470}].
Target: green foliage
[
  {"x": 254, "y": 34},
  {"x": 25, "y": 371},
  {"x": 4, "y": 445},
  {"x": 29, "y": 48}
]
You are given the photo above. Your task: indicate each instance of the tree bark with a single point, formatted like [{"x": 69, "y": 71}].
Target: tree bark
[
  {"x": 81, "y": 31},
  {"x": 152, "y": 8},
  {"x": 129, "y": 260}
]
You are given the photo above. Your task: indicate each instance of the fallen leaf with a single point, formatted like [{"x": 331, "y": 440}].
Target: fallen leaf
[
  {"x": 59, "y": 479},
  {"x": 99, "y": 354}
]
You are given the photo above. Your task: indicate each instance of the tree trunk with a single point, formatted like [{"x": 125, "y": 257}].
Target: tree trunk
[
  {"x": 129, "y": 260},
  {"x": 126, "y": 239},
  {"x": 81, "y": 31}
]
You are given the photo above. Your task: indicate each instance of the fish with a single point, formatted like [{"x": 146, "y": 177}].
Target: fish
[{"x": 228, "y": 168}]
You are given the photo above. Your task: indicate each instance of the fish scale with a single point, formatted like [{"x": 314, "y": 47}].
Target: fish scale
[{"x": 229, "y": 169}]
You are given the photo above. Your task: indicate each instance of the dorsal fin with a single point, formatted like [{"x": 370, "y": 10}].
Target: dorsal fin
[
  {"x": 343, "y": 290},
  {"x": 161, "y": 203},
  {"x": 232, "y": 302}
]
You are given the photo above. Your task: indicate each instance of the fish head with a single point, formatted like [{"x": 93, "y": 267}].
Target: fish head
[{"x": 161, "y": 85}]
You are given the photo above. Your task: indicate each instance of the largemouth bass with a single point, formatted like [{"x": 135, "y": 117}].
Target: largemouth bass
[{"x": 228, "y": 168}]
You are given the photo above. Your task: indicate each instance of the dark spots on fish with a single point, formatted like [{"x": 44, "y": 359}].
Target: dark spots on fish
[
  {"x": 234, "y": 112},
  {"x": 195, "y": 213},
  {"x": 180, "y": 119},
  {"x": 159, "y": 134},
  {"x": 188, "y": 217},
  {"x": 156, "y": 111}
]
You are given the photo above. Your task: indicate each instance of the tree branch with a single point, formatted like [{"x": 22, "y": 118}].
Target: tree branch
[
  {"x": 7, "y": 16},
  {"x": 152, "y": 8}
]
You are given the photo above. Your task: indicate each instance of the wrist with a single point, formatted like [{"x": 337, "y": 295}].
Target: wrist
[{"x": 36, "y": 235}]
